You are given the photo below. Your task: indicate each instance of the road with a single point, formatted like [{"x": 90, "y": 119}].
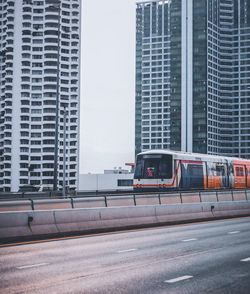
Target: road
[{"x": 211, "y": 257}]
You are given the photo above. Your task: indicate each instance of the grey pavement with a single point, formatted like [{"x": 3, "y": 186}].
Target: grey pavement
[{"x": 211, "y": 257}]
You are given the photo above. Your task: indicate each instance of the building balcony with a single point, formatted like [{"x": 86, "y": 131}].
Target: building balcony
[
  {"x": 44, "y": 169},
  {"x": 50, "y": 65},
  {"x": 51, "y": 71},
  {"x": 52, "y": 17}
]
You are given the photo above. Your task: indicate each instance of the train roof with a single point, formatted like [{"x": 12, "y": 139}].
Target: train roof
[{"x": 194, "y": 156}]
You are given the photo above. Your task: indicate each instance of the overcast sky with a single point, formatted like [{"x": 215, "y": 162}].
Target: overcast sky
[{"x": 107, "y": 84}]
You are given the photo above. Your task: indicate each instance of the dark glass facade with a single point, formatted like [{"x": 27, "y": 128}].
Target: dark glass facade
[
  {"x": 200, "y": 76},
  {"x": 219, "y": 75},
  {"x": 241, "y": 78},
  {"x": 175, "y": 75},
  {"x": 158, "y": 54}
]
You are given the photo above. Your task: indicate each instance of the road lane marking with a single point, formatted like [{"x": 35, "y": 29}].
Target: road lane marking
[
  {"x": 189, "y": 240},
  {"x": 32, "y": 265},
  {"x": 233, "y": 232},
  {"x": 127, "y": 250},
  {"x": 245, "y": 259},
  {"x": 178, "y": 279}
]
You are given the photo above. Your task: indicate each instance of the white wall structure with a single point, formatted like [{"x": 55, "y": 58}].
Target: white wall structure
[
  {"x": 94, "y": 182},
  {"x": 187, "y": 76},
  {"x": 39, "y": 66}
]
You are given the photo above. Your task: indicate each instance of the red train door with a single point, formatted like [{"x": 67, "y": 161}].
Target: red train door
[
  {"x": 239, "y": 176},
  {"x": 248, "y": 175}
]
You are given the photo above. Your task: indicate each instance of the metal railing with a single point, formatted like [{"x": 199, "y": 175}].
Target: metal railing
[{"x": 129, "y": 199}]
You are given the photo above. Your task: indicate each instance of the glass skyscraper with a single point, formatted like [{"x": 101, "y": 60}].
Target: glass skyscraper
[
  {"x": 193, "y": 76},
  {"x": 40, "y": 84}
]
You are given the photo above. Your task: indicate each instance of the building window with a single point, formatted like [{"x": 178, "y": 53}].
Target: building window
[{"x": 124, "y": 183}]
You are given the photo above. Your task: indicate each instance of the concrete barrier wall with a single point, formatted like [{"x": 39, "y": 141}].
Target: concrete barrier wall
[
  {"x": 21, "y": 205},
  {"x": 13, "y": 224},
  {"x": 239, "y": 195},
  {"x": 208, "y": 197},
  {"x": 231, "y": 209},
  {"x": 88, "y": 202},
  {"x": 104, "y": 218},
  {"x": 147, "y": 199},
  {"x": 52, "y": 204},
  {"x": 173, "y": 198},
  {"x": 43, "y": 222},
  {"x": 225, "y": 196},
  {"x": 129, "y": 216},
  {"x": 120, "y": 201},
  {"x": 77, "y": 220},
  {"x": 190, "y": 198},
  {"x": 184, "y": 212},
  {"x": 39, "y": 223}
]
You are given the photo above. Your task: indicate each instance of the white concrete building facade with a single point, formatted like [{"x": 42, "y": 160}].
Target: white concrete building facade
[{"x": 39, "y": 79}]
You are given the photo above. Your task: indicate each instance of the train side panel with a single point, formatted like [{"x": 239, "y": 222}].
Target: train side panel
[
  {"x": 218, "y": 175},
  {"x": 241, "y": 174},
  {"x": 248, "y": 175},
  {"x": 171, "y": 170}
]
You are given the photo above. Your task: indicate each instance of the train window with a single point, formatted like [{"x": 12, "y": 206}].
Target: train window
[
  {"x": 220, "y": 170},
  {"x": 138, "y": 168},
  {"x": 165, "y": 169},
  {"x": 195, "y": 170},
  {"x": 153, "y": 166},
  {"x": 211, "y": 167},
  {"x": 231, "y": 168},
  {"x": 216, "y": 169},
  {"x": 239, "y": 171}
]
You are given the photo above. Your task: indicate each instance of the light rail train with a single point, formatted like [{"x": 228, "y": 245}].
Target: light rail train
[{"x": 165, "y": 170}]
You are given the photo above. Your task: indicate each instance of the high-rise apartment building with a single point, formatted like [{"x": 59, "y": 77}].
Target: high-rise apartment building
[
  {"x": 193, "y": 76},
  {"x": 39, "y": 99}
]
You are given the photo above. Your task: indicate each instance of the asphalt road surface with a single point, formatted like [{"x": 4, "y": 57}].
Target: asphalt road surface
[{"x": 211, "y": 257}]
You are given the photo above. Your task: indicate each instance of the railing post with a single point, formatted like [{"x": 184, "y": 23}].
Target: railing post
[
  {"x": 181, "y": 197},
  {"x": 232, "y": 195},
  {"x": 200, "y": 196},
  {"x": 134, "y": 199},
  {"x": 217, "y": 196},
  {"x": 32, "y": 204},
  {"x": 159, "y": 196},
  {"x": 72, "y": 202},
  {"x": 105, "y": 199}
]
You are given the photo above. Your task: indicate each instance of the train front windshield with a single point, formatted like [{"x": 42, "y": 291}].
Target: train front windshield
[{"x": 153, "y": 166}]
